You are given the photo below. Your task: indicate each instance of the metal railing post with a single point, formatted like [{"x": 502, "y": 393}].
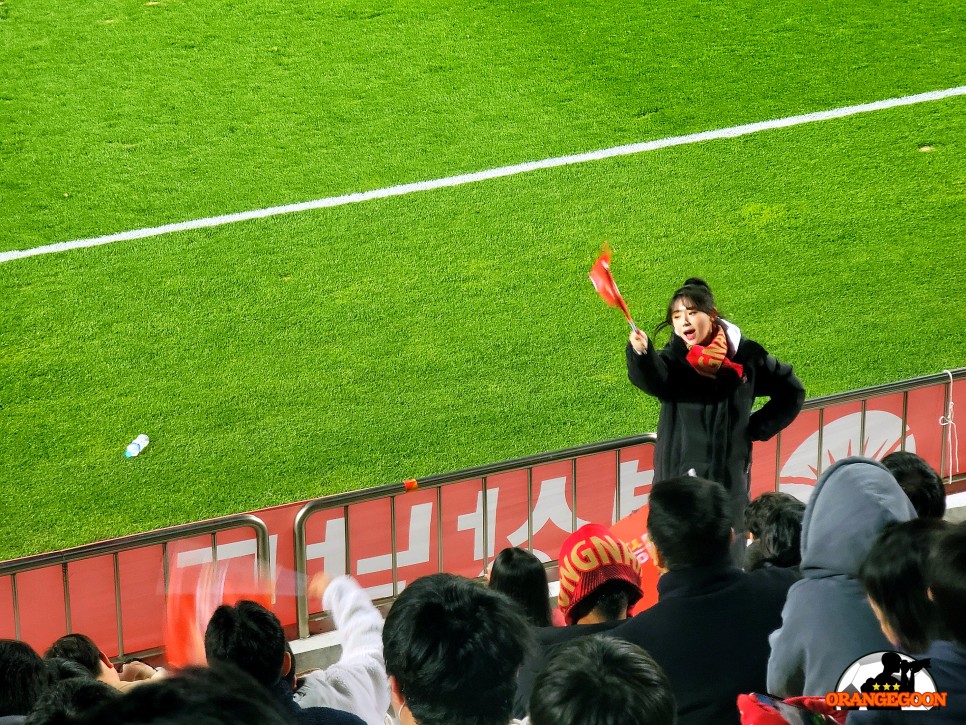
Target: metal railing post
[{"x": 127, "y": 543}]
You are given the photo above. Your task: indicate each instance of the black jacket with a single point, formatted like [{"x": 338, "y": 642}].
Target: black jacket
[
  {"x": 547, "y": 641},
  {"x": 706, "y": 424},
  {"x": 709, "y": 633}
]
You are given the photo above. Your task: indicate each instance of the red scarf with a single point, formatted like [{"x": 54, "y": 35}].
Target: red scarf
[{"x": 708, "y": 359}]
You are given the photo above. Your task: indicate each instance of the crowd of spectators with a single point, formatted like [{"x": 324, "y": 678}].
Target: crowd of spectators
[{"x": 867, "y": 566}]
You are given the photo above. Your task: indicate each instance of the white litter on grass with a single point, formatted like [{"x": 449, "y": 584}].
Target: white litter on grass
[{"x": 496, "y": 173}]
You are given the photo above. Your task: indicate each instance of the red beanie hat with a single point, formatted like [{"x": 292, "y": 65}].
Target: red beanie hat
[{"x": 590, "y": 557}]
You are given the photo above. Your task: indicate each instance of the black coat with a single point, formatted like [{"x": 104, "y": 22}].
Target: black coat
[
  {"x": 709, "y": 633},
  {"x": 547, "y": 641},
  {"x": 706, "y": 424}
]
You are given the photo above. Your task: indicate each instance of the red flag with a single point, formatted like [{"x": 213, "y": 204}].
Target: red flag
[
  {"x": 193, "y": 595},
  {"x": 606, "y": 287}
]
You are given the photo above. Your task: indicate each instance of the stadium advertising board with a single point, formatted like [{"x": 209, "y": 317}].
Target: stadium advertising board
[{"x": 388, "y": 542}]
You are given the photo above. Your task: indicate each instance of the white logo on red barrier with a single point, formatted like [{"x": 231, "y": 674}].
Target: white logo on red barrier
[
  {"x": 331, "y": 550},
  {"x": 841, "y": 439},
  {"x": 420, "y": 520},
  {"x": 473, "y": 521},
  {"x": 632, "y": 481},
  {"x": 551, "y": 508},
  {"x": 224, "y": 552}
]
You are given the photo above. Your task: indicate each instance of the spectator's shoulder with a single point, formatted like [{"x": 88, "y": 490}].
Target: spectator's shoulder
[
  {"x": 767, "y": 592},
  {"x": 776, "y": 577},
  {"x": 748, "y": 349},
  {"x": 553, "y": 636}
]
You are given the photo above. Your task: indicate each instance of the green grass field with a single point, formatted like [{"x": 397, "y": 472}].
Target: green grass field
[{"x": 286, "y": 358}]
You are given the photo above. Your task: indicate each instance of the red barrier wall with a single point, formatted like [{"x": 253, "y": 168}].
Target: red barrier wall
[{"x": 527, "y": 507}]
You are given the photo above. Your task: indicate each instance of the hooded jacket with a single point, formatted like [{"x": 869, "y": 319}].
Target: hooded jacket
[{"x": 827, "y": 622}]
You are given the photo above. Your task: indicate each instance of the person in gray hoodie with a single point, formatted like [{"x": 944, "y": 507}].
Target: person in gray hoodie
[{"x": 827, "y": 622}]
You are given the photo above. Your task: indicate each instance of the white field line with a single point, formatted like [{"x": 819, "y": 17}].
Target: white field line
[{"x": 402, "y": 189}]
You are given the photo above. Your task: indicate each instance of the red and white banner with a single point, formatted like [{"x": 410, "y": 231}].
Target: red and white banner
[{"x": 458, "y": 527}]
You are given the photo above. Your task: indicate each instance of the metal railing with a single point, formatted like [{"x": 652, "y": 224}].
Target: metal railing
[
  {"x": 392, "y": 491},
  {"x": 342, "y": 501},
  {"x": 948, "y": 378},
  {"x": 114, "y": 547}
]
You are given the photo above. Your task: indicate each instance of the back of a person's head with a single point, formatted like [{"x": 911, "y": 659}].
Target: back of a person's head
[
  {"x": 894, "y": 577},
  {"x": 689, "y": 521},
  {"x": 453, "y": 648},
  {"x": 761, "y": 506},
  {"x": 921, "y": 483},
  {"x": 598, "y": 574},
  {"x": 521, "y": 576},
  {"x": 947, "y": 581},
  {"x": 781, "y": 534},
  {"x": 249, "y": 637},
  {"x": 67, "y": 702},
  {"x": 609, "y": 602},
  {"x": 77, "y": 648},
  {"x": 60, "y": 669},
  {"x": 602, "y": 681},
  {"x": 23, "y": 677},
  {"x": 219, "y": 695}
]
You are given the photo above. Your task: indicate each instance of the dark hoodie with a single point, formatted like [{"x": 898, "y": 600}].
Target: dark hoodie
[{"x": 827, "y": 622}]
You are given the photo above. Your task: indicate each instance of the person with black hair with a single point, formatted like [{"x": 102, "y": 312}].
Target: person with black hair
[
  {"x": 82, "y": 649},
  {"x": 709, "y": 629},
  {"x": 59, "y": 669},
  {"x": 23, "y": 678},
  {"x": 599, "y": 583},
  {"x": 947, "y": 582},
  {"x": 893, "y": 575},
  {"x": 915, "y": 576},
  {"x": 291, "y": 675},
  {"x": 522, "y": 577},
  {"x": 67, "y": 701},
  {"x": 777, "y": 517},
  {"x": 921, "y": 483},
  {"x": 778, "y": 553},
  {"x": 250, "y": 637},
  {"x": 602, "y": 681},
  {"x": 781, "y": 537},
  {"x": 220, "y": 694},
  {"x": 760, "y": 507},
  {"x": 947, "y": 589},
  {"x": 707, "y": 379},
  {"x": 453, "y": 648}
]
